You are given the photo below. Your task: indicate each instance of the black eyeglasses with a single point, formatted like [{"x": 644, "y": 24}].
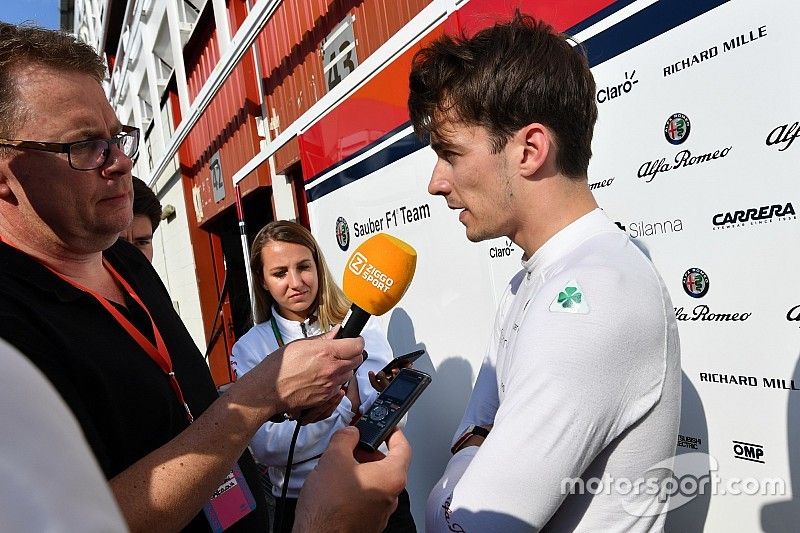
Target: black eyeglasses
[{"x": 85, "y": 155}]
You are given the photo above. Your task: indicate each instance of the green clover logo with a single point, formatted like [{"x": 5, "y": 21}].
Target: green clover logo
[{"x": 569, "y": 296}]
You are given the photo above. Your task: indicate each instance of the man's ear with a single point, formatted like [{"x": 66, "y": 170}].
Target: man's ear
[
  {"x": 6, "y": 193},
  {"x": 536, "y": 143}
]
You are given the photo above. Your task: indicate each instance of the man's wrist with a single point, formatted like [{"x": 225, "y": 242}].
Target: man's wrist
[
  {"x": 473, "y": 436},
  {"x": 247, "y": 394}
]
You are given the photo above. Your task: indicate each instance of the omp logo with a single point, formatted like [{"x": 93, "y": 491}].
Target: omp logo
[
  {"x": 748, "y": 451},
  {"x": 357, "y": 263}
]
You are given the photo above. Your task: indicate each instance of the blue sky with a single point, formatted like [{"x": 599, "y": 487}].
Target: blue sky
[{"x": 40, "y": 12}]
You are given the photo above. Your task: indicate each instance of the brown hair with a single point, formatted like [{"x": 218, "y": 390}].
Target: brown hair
[
  {"x": 331, "y": 305},
  {"x": 23, "y": 45},
  {"x": 146, "y": 203},
  {"x": 504, "y": 78}
]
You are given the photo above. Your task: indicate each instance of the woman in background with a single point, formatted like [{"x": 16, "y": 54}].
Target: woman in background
[{"x": 295, "y": 297}]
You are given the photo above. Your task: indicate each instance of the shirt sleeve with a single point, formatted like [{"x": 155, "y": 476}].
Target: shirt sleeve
[
  {"x": 573, "y": 384},
  {"x": 251, "y": 349},
  {"x": 484, "y": 401}
]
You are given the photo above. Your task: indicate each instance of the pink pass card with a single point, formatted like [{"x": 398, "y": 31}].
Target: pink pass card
[{"x": 231, "y": 501}]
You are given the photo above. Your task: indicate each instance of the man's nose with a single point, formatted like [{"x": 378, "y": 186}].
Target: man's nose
[
  {"x": 118, "y": 163},
  {"x": 440, "y": 179}
]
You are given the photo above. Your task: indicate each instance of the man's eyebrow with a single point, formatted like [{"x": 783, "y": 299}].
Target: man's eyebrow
[
  {"x": 440, "y": 145},
  {"x": 90, "y": 132},
  {"x": 84, "y": 133}
]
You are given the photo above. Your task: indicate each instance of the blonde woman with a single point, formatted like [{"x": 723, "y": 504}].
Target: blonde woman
[{"x": 296, "y": 297}]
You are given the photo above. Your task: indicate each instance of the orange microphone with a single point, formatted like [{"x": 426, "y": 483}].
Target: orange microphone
[{"x": 375, "y": 277}]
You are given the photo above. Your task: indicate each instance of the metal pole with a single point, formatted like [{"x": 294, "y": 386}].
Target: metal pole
[{"x": 245, "y": 250}]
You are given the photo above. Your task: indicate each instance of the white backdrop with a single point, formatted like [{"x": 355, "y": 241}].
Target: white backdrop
[{"x": 736, "y": 99}]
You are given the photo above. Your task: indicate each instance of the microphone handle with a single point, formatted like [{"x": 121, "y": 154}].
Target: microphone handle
[
  {"x": 349, "y": 330},
  {"x": 355, "y": 323}
]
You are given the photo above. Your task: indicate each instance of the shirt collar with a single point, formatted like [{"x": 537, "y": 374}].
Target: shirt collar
[
  {"x": 30, "y": 271},
  {"x": 568, "y": 238},
  {"x": 291, "y": 329}
]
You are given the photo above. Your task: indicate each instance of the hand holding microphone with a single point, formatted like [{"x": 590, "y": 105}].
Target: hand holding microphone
[
  {"x": 376, "y": 276},
  {"x": 304, "y": 373}
]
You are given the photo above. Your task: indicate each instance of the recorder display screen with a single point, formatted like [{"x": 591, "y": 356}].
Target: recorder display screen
[{"x": 399, "y": 389}]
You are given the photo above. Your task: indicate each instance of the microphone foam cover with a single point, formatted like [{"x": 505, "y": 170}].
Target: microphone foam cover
[{"x": 378, "y": 273}]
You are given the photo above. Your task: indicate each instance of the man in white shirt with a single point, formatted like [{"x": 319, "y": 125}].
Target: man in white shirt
[
  {"x": 50, "y": 480},
  {"x": 581, "y": 381}
]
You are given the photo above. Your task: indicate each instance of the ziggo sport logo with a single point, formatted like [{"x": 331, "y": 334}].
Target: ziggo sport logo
[{"x": 360, "y": 266}]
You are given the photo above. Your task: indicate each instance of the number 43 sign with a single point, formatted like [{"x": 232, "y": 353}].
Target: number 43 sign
[{"x": 339, "y": 53}]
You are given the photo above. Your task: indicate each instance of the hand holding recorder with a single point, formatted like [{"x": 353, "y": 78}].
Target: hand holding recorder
[
  {"x": 385, "y": 376},
  {"x": 360, "y": 494},
  {"x": 390, "y": 407}
]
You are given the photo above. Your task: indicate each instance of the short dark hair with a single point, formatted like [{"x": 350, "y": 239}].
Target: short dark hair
[
  {"x": 504, "y": 78},
  {"x": 24, "y": 45},
  {"x": 145, "y": 202}
]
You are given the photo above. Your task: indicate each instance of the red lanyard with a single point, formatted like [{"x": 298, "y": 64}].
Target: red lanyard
[{"x": 158, "y": 352}]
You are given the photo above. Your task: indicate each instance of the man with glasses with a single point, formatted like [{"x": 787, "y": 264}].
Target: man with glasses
[
  {"x": 92, "y": 315},
  {"x": 85, "y": 155}
]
